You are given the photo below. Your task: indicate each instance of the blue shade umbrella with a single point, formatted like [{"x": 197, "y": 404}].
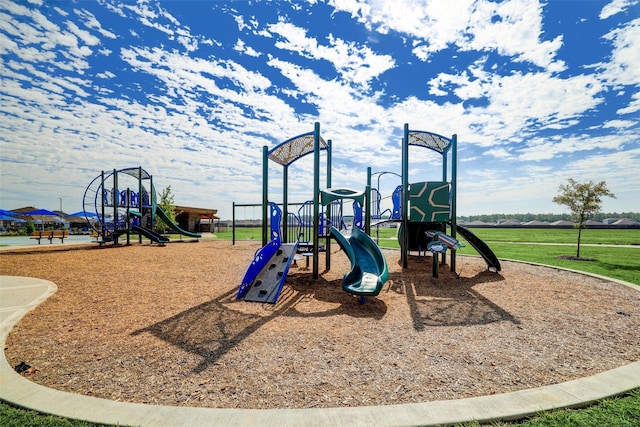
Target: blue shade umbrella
[
  {"x": 41, "y": 213},
  {"x": 8, "y": 213},
  {"x": 83, "y": 213},
  {"x": 4, "y": 217}
]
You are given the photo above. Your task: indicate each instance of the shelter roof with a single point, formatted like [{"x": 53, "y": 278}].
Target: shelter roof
[
  {"x": 136, "y": 172},
  {"x": 211, "y": 213},
  {"x": 430, "y": 140},
  {"x": 292, "y": 149},
  {"x": 24, "y": 209}
]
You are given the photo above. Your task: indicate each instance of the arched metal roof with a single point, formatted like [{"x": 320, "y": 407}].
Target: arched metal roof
[
  {"x": 137, "y": 173},
  {"x": 429, "y": 140},
  {"x": 292, "y": 149}
]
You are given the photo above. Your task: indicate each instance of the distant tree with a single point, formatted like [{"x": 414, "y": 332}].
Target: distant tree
[
  {"x": 30, "y": 227},
  {"x": 166, "y": 203},
  {"x": 584, "y": 200}
]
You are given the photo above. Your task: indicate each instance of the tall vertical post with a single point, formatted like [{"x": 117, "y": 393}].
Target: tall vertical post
[
  {"x": 285, "y": 205},
  {"x": 328, "y": 239},
  {"x": 140, "y": 201},
  {"x": 454, "y": 193},
  {"x": 444, "y": 165},
  {"x": 233, "y": 223},
  {"x": 116, "y": 193},
  {"x": 127, "y": 216},
  {"x": 444, "y": 179},
  {"x": 265, "y": 192},
  {"x": 316, "y": 196},
  {"x": 404, "y": 245},
  {"x": 367, "y": 204},
  {"x": 152, "y": 201},
  {"x": 103, "y": 220}
]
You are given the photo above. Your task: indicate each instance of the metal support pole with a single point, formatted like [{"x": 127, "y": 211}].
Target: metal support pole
[
  {"x": 116, "y": 193},
  {"x": 140, "y": 200},
  {"x": 265, "y": 193},
  {"x": 127, "y": 216},
  {"x": 103, "y": 222},
  {"x": 285, "y": 205},
  {"x": 152, "y": 201},
  {"x": 444, "y": 179},
  {"x": 404, "y": 244},
  {"x": 316, "y": 196},
  {"x": 367, "y": 204},
  {"x": 454, "y": 194},
  {"x": 328, "y": 239},
  {"x": 233, "y": 223}
]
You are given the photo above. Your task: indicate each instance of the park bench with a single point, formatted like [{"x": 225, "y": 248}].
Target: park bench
[
  {"x": 58, "y": 234},
  {"x": 37, "y": 235}
]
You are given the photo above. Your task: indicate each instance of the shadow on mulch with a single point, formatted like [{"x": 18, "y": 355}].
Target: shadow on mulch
[
  {"x": 214, "y": 328},
  {"x": 447, "y": 300}
]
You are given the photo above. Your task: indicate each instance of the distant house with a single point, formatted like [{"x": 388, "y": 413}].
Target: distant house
[
  {"x": 627, "y": 223},
  {"x": 562, "y": 224},
  {"x": 478, "y": 224},
  {"x": 509, "y": 223},
  {"x": 535, "y": 224}
]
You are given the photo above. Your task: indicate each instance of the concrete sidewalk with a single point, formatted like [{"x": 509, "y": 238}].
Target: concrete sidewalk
[{"x": 18, "y": 295}]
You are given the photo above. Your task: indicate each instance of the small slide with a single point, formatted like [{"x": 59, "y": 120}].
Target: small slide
[
  {"x": 481, "y": 247},
  {"x": 369, "y": 270},
  {"x": 149, "y": 234},
  {"x": 172, "y": 225},
  {"x": 267, "y": 272}
]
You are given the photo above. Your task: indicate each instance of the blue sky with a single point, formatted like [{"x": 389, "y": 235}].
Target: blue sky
[{"x": 537, "y": 92}]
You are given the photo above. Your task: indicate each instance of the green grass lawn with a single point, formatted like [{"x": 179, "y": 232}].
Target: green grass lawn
[
  {"x": 532, "y": 245},
  {"x": 545, "y": 246}
]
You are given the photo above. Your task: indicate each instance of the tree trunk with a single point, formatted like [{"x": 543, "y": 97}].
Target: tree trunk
[{"x": 579, "y": 234}]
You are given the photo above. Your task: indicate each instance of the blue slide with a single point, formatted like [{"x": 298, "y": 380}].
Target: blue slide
[
  {"x": 369, "y": 269},
  {"x": 267, "y": 272}
]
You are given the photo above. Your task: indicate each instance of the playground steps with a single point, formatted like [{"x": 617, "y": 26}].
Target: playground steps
[{"x": 268, "y": 283}]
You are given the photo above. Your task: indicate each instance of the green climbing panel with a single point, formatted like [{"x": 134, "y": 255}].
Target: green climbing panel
[{"x": 429, "y": 201}]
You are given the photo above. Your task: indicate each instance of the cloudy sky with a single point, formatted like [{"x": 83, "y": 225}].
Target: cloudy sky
[{"x": 537, "y": 92}]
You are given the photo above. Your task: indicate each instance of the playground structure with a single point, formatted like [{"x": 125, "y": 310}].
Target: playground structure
[
  {"x": 425, "y": 210},
  {"x": 310, "y": 225},
  {"x": 118, "y": 203},
  {"x": 431, "y": 205}
]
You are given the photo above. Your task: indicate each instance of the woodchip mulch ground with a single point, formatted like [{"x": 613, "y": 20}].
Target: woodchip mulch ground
[{"x": 161, "y": 325}]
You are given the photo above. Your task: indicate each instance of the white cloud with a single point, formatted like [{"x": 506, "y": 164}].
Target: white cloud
[
  {"x": 615, "y": 7},
  {"x": 619, "y": 124},
  {"x": 538, "y": 149},
  {"x": 634, "y": 105},
  {"x": 622, "y": 68},
  {"x": 356, "y": 64},
  {"x": 512, "y": 28},
  {"x": 240, "y": 46}
]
